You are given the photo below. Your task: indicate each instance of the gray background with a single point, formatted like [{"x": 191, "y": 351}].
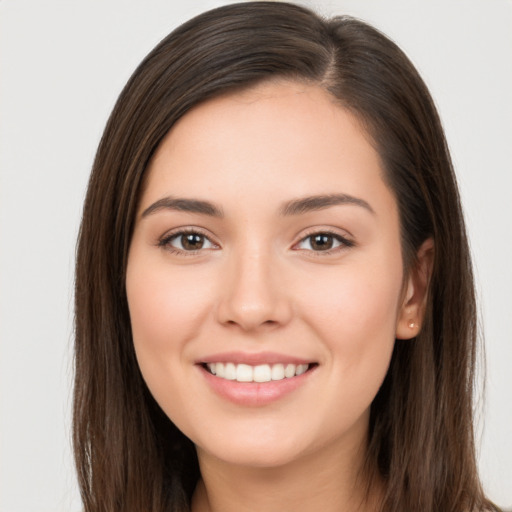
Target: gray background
[{"x": 62, "y": 65}]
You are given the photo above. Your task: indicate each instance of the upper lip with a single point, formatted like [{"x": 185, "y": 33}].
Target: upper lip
[{"x": 253, "y": 359}]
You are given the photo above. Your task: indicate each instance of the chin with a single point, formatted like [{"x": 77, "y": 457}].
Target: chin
[
  {"x": 248, "y": 456},
  {"x": 266, "y": 447}
]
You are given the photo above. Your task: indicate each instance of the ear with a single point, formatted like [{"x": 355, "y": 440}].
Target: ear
[{"x": 414, "y": 297}]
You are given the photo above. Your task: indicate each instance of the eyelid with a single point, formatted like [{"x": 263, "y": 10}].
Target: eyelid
[
  {"x": 165, "y": 239},
  {"x": 346, "y": 241}
]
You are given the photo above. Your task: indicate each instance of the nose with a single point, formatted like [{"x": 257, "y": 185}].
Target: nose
[{"x": 254, "y": 294}]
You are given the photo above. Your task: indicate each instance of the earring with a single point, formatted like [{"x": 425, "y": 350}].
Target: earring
[{"x": 411, "y": 324}]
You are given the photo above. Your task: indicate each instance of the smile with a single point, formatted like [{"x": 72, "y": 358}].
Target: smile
[{"x": 259, "y": 373}]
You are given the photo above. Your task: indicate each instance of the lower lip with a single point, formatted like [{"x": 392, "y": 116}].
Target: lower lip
[{"x": 255, "y": 393}]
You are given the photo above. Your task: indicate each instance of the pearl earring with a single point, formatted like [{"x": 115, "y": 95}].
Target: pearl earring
[{"x": 411, "y": 324}]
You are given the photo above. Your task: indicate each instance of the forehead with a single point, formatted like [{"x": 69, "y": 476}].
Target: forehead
[
  {"x": 271, "y": 140},
  {"x": 269, "y": 113}
]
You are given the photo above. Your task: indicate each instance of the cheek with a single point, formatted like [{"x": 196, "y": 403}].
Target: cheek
[
  {"x": 354, "y": 299},
  {"x": 167, "y": 307},
  {"x": 356, "y": 317},
  {"x": 356, "y": 322}
]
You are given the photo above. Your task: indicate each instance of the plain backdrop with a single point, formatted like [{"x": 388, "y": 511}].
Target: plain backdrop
[{"x": 62, "y": 65}]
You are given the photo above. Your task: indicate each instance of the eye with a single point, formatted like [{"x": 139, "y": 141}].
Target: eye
[
  {"x": 187, "y": 241},
  {"x": 323, "y": 242}
]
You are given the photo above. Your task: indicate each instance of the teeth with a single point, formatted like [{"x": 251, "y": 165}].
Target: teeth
[
  {"x": 301, "y": 368},
  {"x": 260, "y": 373},
  {"x": 289, "y": 370},
  {"x": 277, "y": 372},
  {"x": 243, "y": 372},
  {"x": 230, "y": 372}
]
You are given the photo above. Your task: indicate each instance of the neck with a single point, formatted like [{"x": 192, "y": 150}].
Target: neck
[{"x": 329, "y": 481}]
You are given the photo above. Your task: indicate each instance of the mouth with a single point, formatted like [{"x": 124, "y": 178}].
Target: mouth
[
  {"x": 259, "y": 373},
  {"x": 256, "y": 380}
]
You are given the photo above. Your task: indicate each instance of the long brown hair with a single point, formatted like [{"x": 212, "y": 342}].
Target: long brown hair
[{"x": 129, "y": 455}]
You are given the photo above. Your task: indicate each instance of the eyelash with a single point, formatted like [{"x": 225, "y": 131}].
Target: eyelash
[
  {"x": 165, "y": 242},
  {"x": 344, "y": 242}
]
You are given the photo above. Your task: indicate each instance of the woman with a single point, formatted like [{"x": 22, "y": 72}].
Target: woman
[{"x": 274, "y": 298}]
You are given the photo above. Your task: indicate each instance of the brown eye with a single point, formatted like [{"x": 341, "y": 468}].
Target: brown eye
[
  {"x": 323, "y": 242},
  {"x": 188, "y": 241},
  {"x": 192, "y": 241}
]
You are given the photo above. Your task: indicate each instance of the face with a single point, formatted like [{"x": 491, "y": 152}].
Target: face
[{"x": 264, "y": 277}]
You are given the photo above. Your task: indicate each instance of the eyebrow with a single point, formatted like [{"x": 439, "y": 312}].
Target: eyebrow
[
  {"x": 320, "y": 202},
  {"x": 294, "y": 207},
  {"x": 184, "y": 205}
]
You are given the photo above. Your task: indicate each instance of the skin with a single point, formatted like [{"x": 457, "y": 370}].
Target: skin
[{"x": 259, "y": 284}]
